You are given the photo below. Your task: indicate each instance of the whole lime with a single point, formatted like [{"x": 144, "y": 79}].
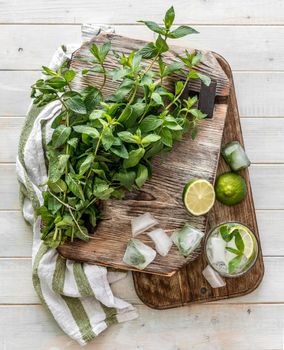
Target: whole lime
[{"x": 230, "y": 188}]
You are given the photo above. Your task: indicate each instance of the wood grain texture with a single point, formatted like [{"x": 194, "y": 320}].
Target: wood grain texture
[
  {"x": 17, "y": 272},
  {"x": 123, "y": 44},
  {"x": 267, "y": 182},
  {"x": 201, "y": 327},
  {"x": 10, "y": 129},
  {"x": 188, "y": 286},
  {"x": 195, "y": 11},
  {"x": 255, "y": 99},
  {"x": 263, "y": 139},
  {"x": 17, "y": 235},
  {"x": 263, "y": 45},
  {"x": 161, "y": 196}
]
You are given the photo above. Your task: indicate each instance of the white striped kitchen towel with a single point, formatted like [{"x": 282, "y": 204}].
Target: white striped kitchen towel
[{"x": 78, "y": 295}]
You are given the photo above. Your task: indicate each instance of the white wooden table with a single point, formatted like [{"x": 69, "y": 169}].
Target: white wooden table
[{"x": 249, "y": 34}]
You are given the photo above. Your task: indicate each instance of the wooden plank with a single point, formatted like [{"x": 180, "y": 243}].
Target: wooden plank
[
  {"x": 270, "y": 223},
  {"x": 195, "y": 11},
  {"x": 244, "y": 47},
  {"x": 9, "y": 192},
  {"x": 199, "y": 327},
  {"x": 267, "y": 183},
  {"x": 15, "y": 92},
  {"x": 10, "y": 129},
  {"x": 18, "y": 272},
  {"x": 255, "y": 100},
  {"x": 24, "y": 48},
  {"x": 17, "y": 234},
  {"x": 263, "y": 139},
  {"x": 124, "y": 44}
]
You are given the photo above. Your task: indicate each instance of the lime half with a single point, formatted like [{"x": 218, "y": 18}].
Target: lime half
[{"x": 198, "y": 196}]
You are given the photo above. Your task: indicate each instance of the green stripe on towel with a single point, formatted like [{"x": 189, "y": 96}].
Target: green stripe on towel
[
  {"x": 59, "y": 275},
  {"x": 36, "y": 281},
  {"x": 81, "y": 318},
  {"x": 86, "y": 290}
]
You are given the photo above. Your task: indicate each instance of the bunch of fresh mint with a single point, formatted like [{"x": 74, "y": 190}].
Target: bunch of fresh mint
[{"x": 102, "y": 147}]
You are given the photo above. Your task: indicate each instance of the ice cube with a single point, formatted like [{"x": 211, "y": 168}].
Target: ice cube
[
  {"x": 235, "y": 155},
  {"x": 142, "y": 223},
  {"x": 217, "y": 248},
  {"x": 213, "y": 278},
  {"x": 138, "y": 254},
  {"x": 187, "y": 239},
  {"x": 162, "y": 241},
  {"x": 239, "y": 160}
]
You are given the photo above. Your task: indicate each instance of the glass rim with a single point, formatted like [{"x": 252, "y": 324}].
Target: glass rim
[{"x": 227, "y": 274}]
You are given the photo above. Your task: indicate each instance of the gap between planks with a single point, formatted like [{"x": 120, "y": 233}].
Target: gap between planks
[{"x": 141, "y": 25}]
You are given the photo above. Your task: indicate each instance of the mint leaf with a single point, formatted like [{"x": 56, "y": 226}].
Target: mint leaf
[
  {"x": 239, "y": 241},
  {"x": 76, "y": 104},
  {"x": 181, "y": 32},
  {"x": 86, "y": 164},
  {"x": 161, "y": 44},
  {"x": 56, "y": 166},
  {"x": 171, "y": 68},
  {"x": 234, "y": 251},
  {"x": 104, "y": 50},
  {"x": 142, "y": 175},
  {"x": 234, "y": 264},
  {"x": 166, "y": 137},
  {"x": 74, "y": 185},
  {"x": 126, "y": 136},
  {"x": 60, "y": 135},
  {"x": 107, "y": 138},
  {"x": 126, "y": 178},
  {"x": 133, "y": 158},
  {"x": 225, "y": 233},
  {"x": 157, "y": 98},
  {"x": 204, "y": 78},
  {"x": 154, "y": 27},
  {"x": 149, "y": 51},
  {"x": 150, "y": 123},
  {"x": 58, "y": 186},
  {"x": 69, "y": 75},
  {"x": 88, "y": 130},
  {"x": 169, "y": 17},
  {"x": 150, "y": 139},
  {"x": 120, "y": 151}
]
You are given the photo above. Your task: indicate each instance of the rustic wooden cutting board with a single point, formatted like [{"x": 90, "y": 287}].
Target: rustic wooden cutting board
[
  {"x": 188, "y": 285},
  {"x": 162, "y": 194}
]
